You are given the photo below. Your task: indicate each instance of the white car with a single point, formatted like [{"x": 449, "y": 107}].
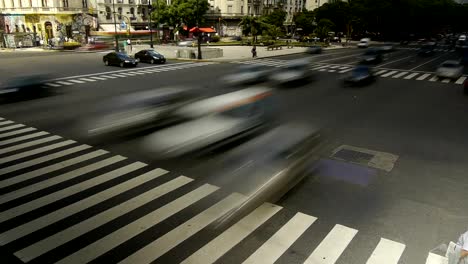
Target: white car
[
  {"x": 248, "y": 74},
  {"x": 462, "y": 38},
  {"x": 450, "y": 69},
  {"x": 215, "y": 121},
  {"x": 364, "y": 43},
  {"x": 186, "y": 43},
  {"x": 295, "y": 70}
]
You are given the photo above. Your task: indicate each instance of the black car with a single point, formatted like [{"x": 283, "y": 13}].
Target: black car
[
  {"x": 150, "y": 56},
  {"x": 360, "y": 75},
  {"x": 314, "y": 50},
  {"x": 26, "y": 86},
  {"x": 372, "y": 56},
  {"x": 120, "y": 59}
]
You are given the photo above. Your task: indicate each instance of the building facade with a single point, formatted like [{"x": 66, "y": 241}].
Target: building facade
[
  {"x": 28, "y": 21},
  {"x": 128, "y": 13},
  {"x": 313, "y": 4}
]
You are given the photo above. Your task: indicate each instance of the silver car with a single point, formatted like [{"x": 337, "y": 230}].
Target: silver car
[
  {"x": 294, "y": 71},
  {"x": 137, "y": 111},
  {"x": 215, "y": 122},
  {"x": 248, "y": 74},
  {"x": 450, "y": 69}
]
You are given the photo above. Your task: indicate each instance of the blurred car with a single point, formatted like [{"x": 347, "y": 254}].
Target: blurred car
[
  {"x": 248, "y": 74},
  {"x": 363, "y": 43},
  {"x": 25, "y": 86},
  {"x": 426, "y": 49},
  {"x": 462, "y": 38},
  {"x": 150, "y": 56},
  {"x": 372, "y": 56},
  {"x": 119, "y": 59},
  {"x": 450, "y": 69},
  {"x": 294, "y": 71},
  {"x": 215, "y": 122},
  {"x": 138, "y": 111},
  {"x": 186, "y": 43},
  {"x": 267, "y": 167},
  {"x": 360, "y": 75},
  {"x": 387, "y": 47},
  {"x": 314, "y": 50}
]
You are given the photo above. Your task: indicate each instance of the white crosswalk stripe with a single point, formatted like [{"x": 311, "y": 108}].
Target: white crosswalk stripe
[
  {"x": 6, "y": 123},
  {"x": 10, "y": 127},
  {"x": 423, "y": 77},
  {"x": 381, "y": 71},
  {"x": 52, "y": 84},
  {"x": 461, "y": 80},
  {"x": 346, "y": 70},
  {"x": 102, "y": 169},
  {"x": 434, "y": 78},
  {"x": 77, "y": 81},
  {"x": 446, "y": 80},
  {"x": 389, "y": 73},
  {"x": 400, "y": 74},
  {"x": 411, "y": 76}
]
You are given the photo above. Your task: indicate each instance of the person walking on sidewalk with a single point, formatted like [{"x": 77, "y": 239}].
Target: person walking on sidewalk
[
  {"x": 254, "y": 51},
  {"x": 129, "y": 44}
]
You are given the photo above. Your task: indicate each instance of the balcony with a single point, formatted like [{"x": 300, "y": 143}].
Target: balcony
[{"x": 43, "y": 10}]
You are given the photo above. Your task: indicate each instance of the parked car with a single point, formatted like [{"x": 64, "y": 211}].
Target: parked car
[
  {"x": 450, "y": 69},
  {"x": 248, "y": 74},
  {"x": 138, "y": 111},
  {"x": 314, "y": 50},
  {"x": 25, "y": 86},
  {"x": 364, "y": 43},
  {"x": 372, "y": 56},
  {"x": 215, "y": 122},
  {"x": 360, "y": 75},
  {"x": 270, "y": 165},
  {"x": 150, "y": 56},
  {"x": 295, "y": 71},
  {"x": 119, "y": 59}
]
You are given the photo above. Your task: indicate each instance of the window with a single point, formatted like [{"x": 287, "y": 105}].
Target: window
[
  {"x": 143, "y": 12},
  {"x": 131, "y": 2},
  {"x": 108, "y": 12},
  {"x": 132, "y": 11},
  {"x": 248, "y": 10},
  {"x": 242, "y": 10},
  {"x": 229, "y": 9},
  {"x": 68, "y": 30},
  {"x": 85, "y": 3},
  {"x": 119, "y": 10},
  {"x": 16, "y": 28},
  {"x": 65, "y": 3},
  {"x": 7, "y": 28},
  {"x": 23, "y": 27}
]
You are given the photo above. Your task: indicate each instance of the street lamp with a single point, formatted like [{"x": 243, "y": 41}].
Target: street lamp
[
  {"x": 115, "y": 28},
  {"x": 199, "y": 33},
  {"x": 150, "y": 9}
]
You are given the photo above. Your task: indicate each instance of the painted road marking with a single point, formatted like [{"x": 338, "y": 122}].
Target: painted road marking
[
  {"x": 380, "y": 72},
  {"x": 344, "y": 68},
  {"x": 461, "y": 80},
  {"x": 64, "y": 83},
  {"x": 219, "y": 246},
  {"x": 436, "y": 259},
  {"x": 6, "y": 123},
  {"x": 386, "y": 252},
  {"x": 87, "y": 79},
  {"x": 400, "y": 74},
  {"x": 274, "y": 247},
  {"x": 11, "y": 127},
  {"x": 322, "y": 70},
  {"x": 335, "y": 66},
  {"x": 16, "y": 139},
  {"x": 433, "y": 79},
  {"x": 389, "y": 73},
  {"x": 98, "y": 78},
  {"x": 427, "y": 62},
  {"x": 62, "y": 213},
  {"x": 446, "y": 80},
  {"x": 318, "y": 68},
  {"x": 76, "y": 81},
  {"x": 35, "y": 151},
  {"x": 347, "y": 70},
  {"x": 422, "y": 77},
  {"x": 331, "y": 248},
  {"x": 121, "y": 235},
  {"x": 51, "y": 168},
  {"x": 411, "y": 76},
  {"x": 29, "y": 144},
  {"x": 36, "y": 161},
  {"x": 177, "y": 235},
  {"x": 331, "y": 70},
  {"x": 52, "y": 85}
]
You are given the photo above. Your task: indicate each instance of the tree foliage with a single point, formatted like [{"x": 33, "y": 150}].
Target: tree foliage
[
  {"x": 181, "y": 12},
  {"x": 253, "y": 25},
  {"x": 323, "y": 27},
  {"x": 275, "y": 18},
  {"x": 306, "y": 21}
]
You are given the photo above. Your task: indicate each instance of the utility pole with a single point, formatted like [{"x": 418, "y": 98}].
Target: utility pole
[
  {"x": 157, "y": 22},
  {"x": 150, "y": 9},
  {"x": 199, "y": 32},
  {"x": 115, "y": 28}
]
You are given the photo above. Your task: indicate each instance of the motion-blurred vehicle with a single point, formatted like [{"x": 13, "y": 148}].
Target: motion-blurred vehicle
[
  {"x": 462, "y": 38},
  {"x": 426, "y": 49},
  {"x": 186, "y": 43},
  {"x": 295, "y": 71},
  {"x": 248, "y": 74},
  {"x": 364, "y": 43},
  {"x": 450, "y": 69},
  {"x": 360, "y": 75},
  {"x": 372, "y": 56},
  {"x": 465, "y": 86},
  {"x": 119, "y": 59},
  {"x": 267, "y": 167},
  {"x": 314, "y": 50},
  {"x": 26, "y": 86},
  {"x": 216, "y": 121},
  {"x": 387, "y": 47},
  {"x": 139, "y": 111},
  {"x": 150, "y": 56}
]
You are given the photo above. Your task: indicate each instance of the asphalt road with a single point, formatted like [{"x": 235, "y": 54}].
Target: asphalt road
[{"x": 418, "y": 203}]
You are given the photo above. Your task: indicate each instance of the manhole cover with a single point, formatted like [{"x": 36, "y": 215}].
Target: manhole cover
[{"x": 353, "y": 156}]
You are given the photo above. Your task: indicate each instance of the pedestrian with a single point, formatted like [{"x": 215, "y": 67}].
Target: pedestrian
[
  {"x": 458, "y": 253},
  {"x": 254, "y": 51},
  {"x": 20, "y": 44},
  {"x": 129, "y": 44}
]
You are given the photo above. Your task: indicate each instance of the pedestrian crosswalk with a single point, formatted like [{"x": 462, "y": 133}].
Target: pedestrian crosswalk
[
  {"x": 86, "y": 78},
  {"x": 382, "y": 72},
  {"x": 65, "y": 202}
]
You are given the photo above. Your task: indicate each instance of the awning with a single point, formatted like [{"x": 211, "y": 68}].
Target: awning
[{"x": 206, "y": 30}]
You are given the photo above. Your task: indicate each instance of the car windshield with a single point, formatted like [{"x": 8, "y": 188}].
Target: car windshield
[
  {"x": 152, "y": 52},
  {"x": 123, "y": 56}
]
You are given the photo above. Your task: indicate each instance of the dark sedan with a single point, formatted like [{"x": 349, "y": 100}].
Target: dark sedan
[
  {"x": 360, "y": 75},
  {"x": 314, "y": 50},
  {"x": 372, "y": 56},
  {"x": 150, "y": 56},
  {"x": 119, "y": 59},
  {"x": 25, "y": 86}
]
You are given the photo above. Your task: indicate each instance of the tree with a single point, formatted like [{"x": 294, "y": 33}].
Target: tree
[
  {"x": 323, "y": 27},
  {"x": 253, "y": 26},
  {"x": 305, "y": 20},
  {"x": 188, "y": 12},
  {"x": 275, "y": 18}
]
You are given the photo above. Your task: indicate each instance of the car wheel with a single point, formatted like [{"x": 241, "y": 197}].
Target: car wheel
[
  {"x": 152, "y": 61},
  {"x": 106, "y": 62},
  {"x": 121, "y": 65}
]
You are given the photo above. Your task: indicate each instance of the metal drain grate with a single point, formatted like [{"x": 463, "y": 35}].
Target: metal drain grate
[{"x": 353, "y": 156}]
